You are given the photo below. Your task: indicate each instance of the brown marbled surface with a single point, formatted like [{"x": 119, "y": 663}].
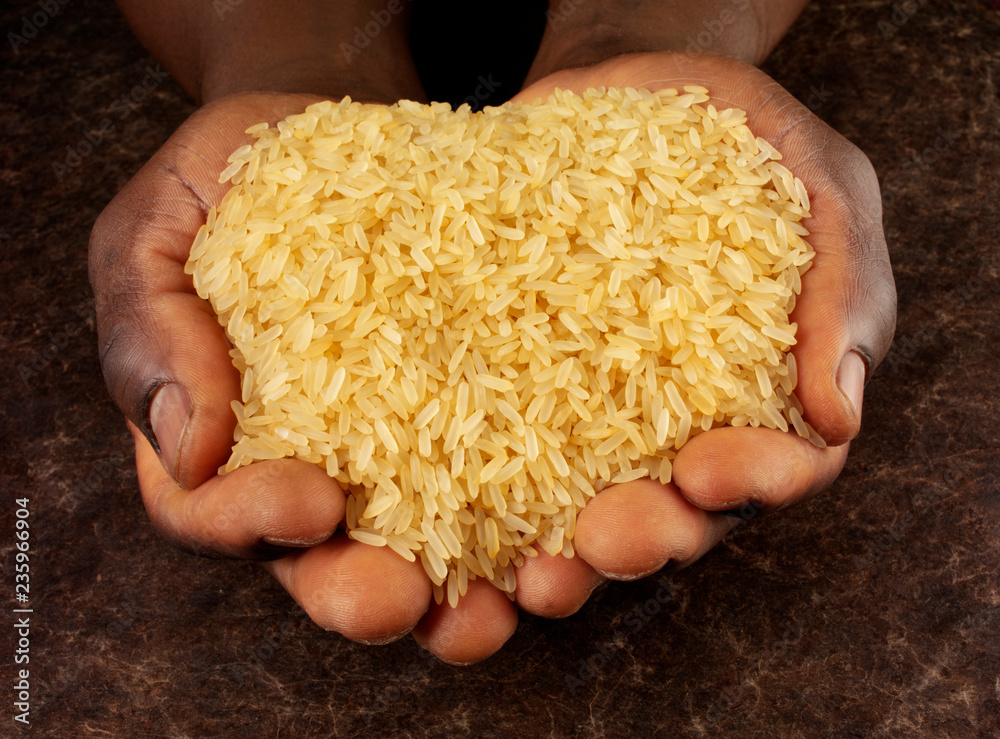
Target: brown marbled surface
[{"x": 873, "y": 610}]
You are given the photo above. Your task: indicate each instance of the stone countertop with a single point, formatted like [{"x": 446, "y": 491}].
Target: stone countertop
[{"x": 872, "y": 610}]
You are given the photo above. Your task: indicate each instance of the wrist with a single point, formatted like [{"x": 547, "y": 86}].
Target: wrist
[
  {"x": 356, "y": 48},
  {"x": 313, "y": 72},
  {"x": 586, "y": 32},
  {"x": 353, "y": 47}
]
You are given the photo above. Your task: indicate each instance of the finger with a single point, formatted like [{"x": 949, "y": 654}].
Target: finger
[
  {"x": 476, "y": 628},
  {"x": 368, "y": 594},
  {"x": 555, "y": 587},
  {"x": 165, "y": 358},
  {"x": 632, "y": 530},
  {"x": 727, "y": 468},
  {"x": 255, "y": 512}
]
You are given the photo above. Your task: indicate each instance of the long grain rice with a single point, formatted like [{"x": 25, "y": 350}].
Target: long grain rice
[{"x": 476, "y": 321}]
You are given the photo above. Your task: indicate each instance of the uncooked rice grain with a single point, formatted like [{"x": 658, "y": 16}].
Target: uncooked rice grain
[{"x": 476, "y": 321}]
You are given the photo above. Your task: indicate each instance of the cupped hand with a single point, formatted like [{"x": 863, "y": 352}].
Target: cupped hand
[
  {"x": 166, "y": 359},
  {"x": 845, "y": 317},
  {"x": 167, "y": 364}
]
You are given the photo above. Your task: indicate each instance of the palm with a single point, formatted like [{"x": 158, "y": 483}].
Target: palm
[{"x": 156, "y": 333}]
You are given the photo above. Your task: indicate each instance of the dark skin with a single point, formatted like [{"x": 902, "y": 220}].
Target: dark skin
[{"x": 166, "y": 358}]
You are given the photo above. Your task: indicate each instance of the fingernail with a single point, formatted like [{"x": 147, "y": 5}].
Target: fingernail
[
  {"x": 851, "y": 380},
  {"x": 378, "y": 641},
  {"x": 274, "y": 547},
  {"x": 169, "y": 414},
  {"x": 278, "y": 541},
  {"x": 628, "y": 577}
]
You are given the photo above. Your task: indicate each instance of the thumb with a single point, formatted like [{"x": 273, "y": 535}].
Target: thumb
[
  {"x": 164, "y": 355},
  {"x": 846, "y": 313}
]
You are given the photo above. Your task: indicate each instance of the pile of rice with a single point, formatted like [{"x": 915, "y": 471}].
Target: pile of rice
[{"x": 475, "y": 321}]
